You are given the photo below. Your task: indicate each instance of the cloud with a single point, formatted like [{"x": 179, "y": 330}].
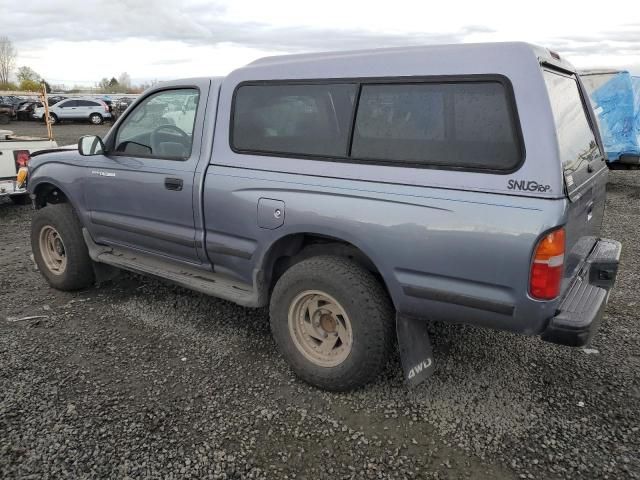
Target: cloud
[
  {"x": 77, "y": 41},
  {"x": 196, "y": 24}
]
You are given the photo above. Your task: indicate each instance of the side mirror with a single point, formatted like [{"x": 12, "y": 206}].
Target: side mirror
[{"x": 91, "y": 145}]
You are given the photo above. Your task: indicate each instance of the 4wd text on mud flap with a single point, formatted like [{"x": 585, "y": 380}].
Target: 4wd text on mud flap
[
  {"x": 423, "y": 365},
  {"x": 527, "y": 186}
]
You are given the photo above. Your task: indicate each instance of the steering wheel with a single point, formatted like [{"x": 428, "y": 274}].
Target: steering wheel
[{"x": 155, "y": 139}]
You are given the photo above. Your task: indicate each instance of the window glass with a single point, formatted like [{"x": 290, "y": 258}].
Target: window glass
[
  {"x": 67, "y": 104},
  {"x": 87, "y": 103},
  {"x": 576, "y": 141},
  {"x": 296, "y": 119},
  {"x": 161, "y": 126},
  {"x": 465, "y": 124}
]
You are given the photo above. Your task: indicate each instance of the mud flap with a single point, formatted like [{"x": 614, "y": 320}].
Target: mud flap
[{"x": 415, "y": 349}]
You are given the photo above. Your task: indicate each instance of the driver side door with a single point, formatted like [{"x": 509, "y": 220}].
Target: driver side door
[{"x": 141, "y": 192}]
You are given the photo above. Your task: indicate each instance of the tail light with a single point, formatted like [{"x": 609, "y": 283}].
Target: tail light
[
  {"x": 106, "y": 107},
  {"x": 548, "y": 266},
  {"x": 21, "y": 158}
]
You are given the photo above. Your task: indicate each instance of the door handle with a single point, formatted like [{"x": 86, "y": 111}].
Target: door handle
[{"x": 173, "y": 183}]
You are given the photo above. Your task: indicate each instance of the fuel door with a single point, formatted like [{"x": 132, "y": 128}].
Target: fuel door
[{"x": 270, "y": 213}]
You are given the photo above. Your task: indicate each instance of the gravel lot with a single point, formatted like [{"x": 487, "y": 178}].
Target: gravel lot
[
  {"x": 141, "y": 379},
  {"x": 66, "y": 133}
]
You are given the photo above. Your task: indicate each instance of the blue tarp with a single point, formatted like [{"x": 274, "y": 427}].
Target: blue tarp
[{"x": 617, "y": 104}]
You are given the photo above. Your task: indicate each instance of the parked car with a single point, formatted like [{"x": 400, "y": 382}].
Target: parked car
[
  {"x": 15, "y": 154},
  {"x": 615, "y": 96},
  {"x": 358, "y": 194},
  {"x": 109, "y": 104},
  {"x": 7, "y": 112},
  {"x": 52, "y": 100},
  {"x": 26, "y": 109},
  {"x": 120, "y": 105},
  {"x": 124, "y": 102},
  {"x": 11, "y": 100},
  {"x": 91, "y": 109}
]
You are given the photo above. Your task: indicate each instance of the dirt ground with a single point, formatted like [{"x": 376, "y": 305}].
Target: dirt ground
[
  {"x": 140, "y": 379},
  {"x": 66, "y": 133}
]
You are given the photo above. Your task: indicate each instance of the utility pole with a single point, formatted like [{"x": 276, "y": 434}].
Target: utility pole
[{"x": 45, "y": 102}]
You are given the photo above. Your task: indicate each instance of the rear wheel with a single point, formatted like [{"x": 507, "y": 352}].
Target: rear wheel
[
  {"x": 95, "y": 118},
  {"x": 53, "y": 119},
  {"x": 59, "y": 248},
  {"x": 333, "y": 322}
]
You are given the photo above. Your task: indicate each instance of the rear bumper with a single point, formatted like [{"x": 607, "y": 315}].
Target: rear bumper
[
  {"x": 8, "y": 187},
  {"x": 581, "y": 309}
]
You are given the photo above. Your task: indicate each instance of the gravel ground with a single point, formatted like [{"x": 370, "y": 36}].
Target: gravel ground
[
  {"x": 140, "y": 379},
  {"x": 66, "y": 133}
]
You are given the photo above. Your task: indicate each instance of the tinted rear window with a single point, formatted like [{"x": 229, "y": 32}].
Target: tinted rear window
[
  {"x": 452, "y": 124},
  {"x": 467, "y": 124},
  {"x": 576, "y": 141},
  {"x": 294, "y": 119}
]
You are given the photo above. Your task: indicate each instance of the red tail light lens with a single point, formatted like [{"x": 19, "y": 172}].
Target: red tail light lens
[
  {"x": 548, "y": 266},
  {"x": 21, "y": 158}
]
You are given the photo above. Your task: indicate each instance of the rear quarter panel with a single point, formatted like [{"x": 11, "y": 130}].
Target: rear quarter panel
[
  {"x": 445, "y": 255},
  {"x": 451, "y": 245}
]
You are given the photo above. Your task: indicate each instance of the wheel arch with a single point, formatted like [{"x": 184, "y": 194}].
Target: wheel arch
[
  {"x": 48, "y": 192},
  {"x": 292, "y": 248}
]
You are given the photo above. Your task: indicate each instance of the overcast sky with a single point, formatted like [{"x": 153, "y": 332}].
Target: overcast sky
[{"x": 82, "y": 41}]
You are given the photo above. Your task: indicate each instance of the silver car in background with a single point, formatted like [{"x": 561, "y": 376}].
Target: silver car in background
[{"x": 86, "y": 108}]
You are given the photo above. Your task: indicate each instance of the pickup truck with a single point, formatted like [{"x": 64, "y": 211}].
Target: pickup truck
[
  {"x": 359, "y": 195},
  {"x": 15, "y": 153}
]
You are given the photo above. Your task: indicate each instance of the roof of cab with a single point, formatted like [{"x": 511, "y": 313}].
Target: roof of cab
[{"x": 418, "y": 56}]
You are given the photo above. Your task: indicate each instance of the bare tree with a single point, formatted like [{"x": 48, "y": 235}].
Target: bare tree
[
  {"x": 27, "y": 73},
  {"x": 124, "y": 80},
  {"x": 7, "y": 59}
]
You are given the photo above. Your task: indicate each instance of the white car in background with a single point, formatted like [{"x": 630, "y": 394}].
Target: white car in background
[{"x": 92, "y": 109}]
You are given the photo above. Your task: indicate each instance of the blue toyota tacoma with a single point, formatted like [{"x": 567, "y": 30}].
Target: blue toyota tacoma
[{"x": 357, "y": 194}]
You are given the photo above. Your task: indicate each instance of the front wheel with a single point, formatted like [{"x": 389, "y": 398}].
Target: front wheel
[
  {"x": 53, "y": 119},
  {"x": 59, "y": 248},
  {"x": 95, "y": 118},
  {"x": 333, "y": 322}
]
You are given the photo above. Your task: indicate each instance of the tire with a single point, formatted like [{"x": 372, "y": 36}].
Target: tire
[
  {"x": 20, "y": 199},
  {"x": 77, "y": 269},
  {"x": 366, "y": 308},
  {"x": 53, "y": 118},
  {"x": 96, "y": 119},
  {"x": 4, "y": 119}
]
